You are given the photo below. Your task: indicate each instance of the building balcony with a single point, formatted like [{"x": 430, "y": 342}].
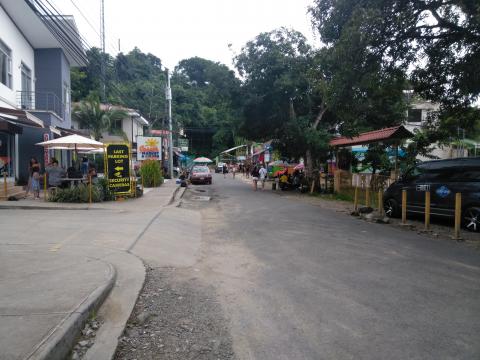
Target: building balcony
[{"x": 41, "y": 101}]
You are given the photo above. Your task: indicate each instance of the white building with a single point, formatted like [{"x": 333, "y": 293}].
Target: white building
[
  {"x": 419, "y": 113},
  {"x": 35, "y": 63}
]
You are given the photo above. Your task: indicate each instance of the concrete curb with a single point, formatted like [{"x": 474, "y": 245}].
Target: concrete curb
[
  {"x": 58, "y": 344},
  {"x": 38, "y": 207},
  {"x": 174, "y": 195}
]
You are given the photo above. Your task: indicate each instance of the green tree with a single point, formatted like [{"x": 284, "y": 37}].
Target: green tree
[
  {"x": 93, "y": 116},
  {"x": 438, "y": 39}
]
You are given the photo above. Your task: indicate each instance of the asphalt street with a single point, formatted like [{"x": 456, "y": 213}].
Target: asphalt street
[{"x": 302, "y": 282}]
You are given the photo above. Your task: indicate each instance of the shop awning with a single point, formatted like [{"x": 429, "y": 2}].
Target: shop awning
[
  {"x": 20, "y": 118},
  {"x": 234, "y": 148}
]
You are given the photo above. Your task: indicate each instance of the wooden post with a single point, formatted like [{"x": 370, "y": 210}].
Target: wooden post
[
  {"x": 427, "y": 210},
  {"x": 44, "y": 187},
  {"x": 458, "y": 216},
  {"x": 355, "y": 200},
  {"x": 143, "y": 184},
  {"x": 5, "y": 186},
  {"x": 90, "y": 189},
  {"x": 367, "y": 196},
  {"x": 404, "y": 207},
  {"x": 380, "y": 201}
]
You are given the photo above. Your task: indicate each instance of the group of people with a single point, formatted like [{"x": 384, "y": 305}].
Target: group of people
[
  {"x": 56, "y": 174},
  {"x": 259, "y": 172}
]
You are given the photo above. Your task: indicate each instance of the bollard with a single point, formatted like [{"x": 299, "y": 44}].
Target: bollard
[
  {"x": 5, "y": 186},
  {"x": 427, "y": 210},
  {"x": 367, "y": 197},
  {"x": 458, "y": 216},
  {"x": 355, "y": 200},
  {"x": 404, "y": 207},
  {"x": 380, "y": 202},
  {"x": 44, "y": 187},
  {"x": 143, "y": 185},
  {"x": 90, "y": 189}
]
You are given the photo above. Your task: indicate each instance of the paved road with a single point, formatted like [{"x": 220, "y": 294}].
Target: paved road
[{"x": 301, "y": 282}]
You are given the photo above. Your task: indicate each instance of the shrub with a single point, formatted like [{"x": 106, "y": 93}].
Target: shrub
[
  {"x": 151, "y": 173},
  {"x": 77, "y": 194},
  {"x": 105, "y": 193}
]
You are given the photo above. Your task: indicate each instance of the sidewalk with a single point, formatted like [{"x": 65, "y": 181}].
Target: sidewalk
[
  {"x": 161, "y": 195},
  {"x": 54, "y": 275}
]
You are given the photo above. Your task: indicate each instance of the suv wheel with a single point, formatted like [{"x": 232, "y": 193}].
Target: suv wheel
[
  {"x": 471, "y": 219},
  {"x": 391, "y": 208}
]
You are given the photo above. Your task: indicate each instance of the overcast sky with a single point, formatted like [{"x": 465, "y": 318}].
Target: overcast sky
[{"x": 178, "y": 29}]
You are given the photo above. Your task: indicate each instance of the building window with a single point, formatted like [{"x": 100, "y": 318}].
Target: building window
[
  {"x": 414, "y": 115},
  {"x": 116, "y": 127},
  {"x": 5, "y": 65},
  {"x": 27, "y": 96}
]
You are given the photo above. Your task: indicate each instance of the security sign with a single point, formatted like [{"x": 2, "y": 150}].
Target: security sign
[{"x": 118, "y": 168}]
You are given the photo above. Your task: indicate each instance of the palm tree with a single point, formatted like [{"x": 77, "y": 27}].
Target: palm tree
[{"x": 91, "y": 115}]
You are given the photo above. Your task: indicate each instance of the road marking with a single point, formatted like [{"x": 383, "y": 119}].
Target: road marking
[{"x": 58, "y": 246}]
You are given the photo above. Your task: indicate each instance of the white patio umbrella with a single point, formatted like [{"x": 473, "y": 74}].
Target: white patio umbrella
[{"x": 72, "y": 142}]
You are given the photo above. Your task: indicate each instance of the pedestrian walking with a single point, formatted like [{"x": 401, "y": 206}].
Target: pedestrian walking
[
  {"x": 84, "y": 166},
  {"x": 255, "y": 175},
  {"x": 263, "y": 176},
  {"x": 234, "y": 170},
  {"x": 36, "y": 180},
  {"x": 225, "y": 171},
  {"x": 31, "y": 163}
]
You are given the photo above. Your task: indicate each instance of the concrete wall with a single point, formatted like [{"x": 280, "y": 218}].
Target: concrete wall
[
  {"x": 21, "y": 52},
  {"x": 28, "y": 149},
  {"x": 132, "y": 128}
]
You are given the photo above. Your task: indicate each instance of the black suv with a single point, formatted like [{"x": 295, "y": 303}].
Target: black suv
[{"x": 443, "y": 178}]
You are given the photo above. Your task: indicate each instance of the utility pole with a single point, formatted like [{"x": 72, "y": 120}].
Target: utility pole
[
  {"x": 102, "y": 44},
  {"x": 168, "y": 96}
]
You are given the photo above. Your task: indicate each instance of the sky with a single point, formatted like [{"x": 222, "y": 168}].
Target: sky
[{"x": 179, "y": 29}]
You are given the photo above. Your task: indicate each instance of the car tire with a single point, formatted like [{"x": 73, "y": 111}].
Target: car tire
[
  {"x": 391, "y": 208},
  {"x": 471, "y": 219}
]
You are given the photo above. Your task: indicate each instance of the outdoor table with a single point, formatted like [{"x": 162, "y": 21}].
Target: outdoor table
[{"x": 74, "y": 180}]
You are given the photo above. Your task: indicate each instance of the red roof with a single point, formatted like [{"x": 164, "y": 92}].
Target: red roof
[{"x": 392, "y": 133}]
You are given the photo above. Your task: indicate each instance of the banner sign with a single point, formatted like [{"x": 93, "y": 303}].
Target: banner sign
[
  {"x": 118, "y": 168},
  {"x": 149, "y": 148},
  {"x": 46, "y": 152}
]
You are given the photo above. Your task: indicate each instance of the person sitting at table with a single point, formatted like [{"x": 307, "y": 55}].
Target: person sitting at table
[
  {"x": 92, "y": 170},
  {"x": 55, "y": 175},
  {"x": 73, "y": 172}
]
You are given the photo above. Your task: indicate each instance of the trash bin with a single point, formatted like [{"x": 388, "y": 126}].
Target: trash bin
[{"x": 274, "y": 185}]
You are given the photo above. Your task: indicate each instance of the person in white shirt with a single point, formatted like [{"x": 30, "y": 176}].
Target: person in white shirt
[{"x": 263, "y": 175}]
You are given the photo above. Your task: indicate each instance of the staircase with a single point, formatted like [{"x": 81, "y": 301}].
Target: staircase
[{"x": 13, "y": 191}]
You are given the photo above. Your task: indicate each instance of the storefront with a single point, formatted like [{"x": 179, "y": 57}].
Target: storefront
[{"x": 13, "y": 126}]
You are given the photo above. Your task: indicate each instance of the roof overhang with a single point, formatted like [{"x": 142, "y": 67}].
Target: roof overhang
[
  {"x": 20, "y": 118},
  {"x": 392, "y": 134}
]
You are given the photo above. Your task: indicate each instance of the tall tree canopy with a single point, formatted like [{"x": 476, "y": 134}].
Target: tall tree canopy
[{"x": 439, "y": 38}]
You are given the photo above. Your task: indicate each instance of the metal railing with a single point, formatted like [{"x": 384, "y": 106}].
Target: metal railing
[{"x": 42, "y": 101}]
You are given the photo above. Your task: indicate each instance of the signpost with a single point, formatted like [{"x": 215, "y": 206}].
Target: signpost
[
  {"x": 183, "y": 144},
  {"x": 118, "y": 168}
]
